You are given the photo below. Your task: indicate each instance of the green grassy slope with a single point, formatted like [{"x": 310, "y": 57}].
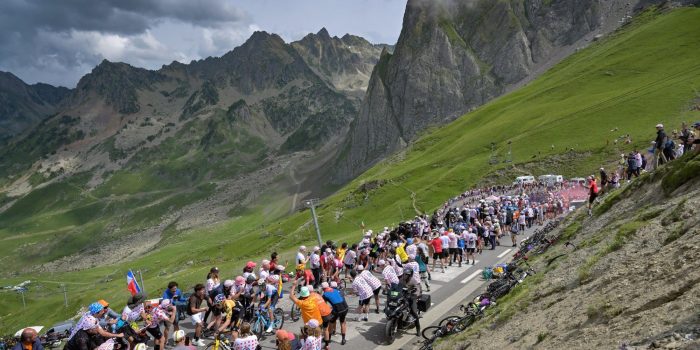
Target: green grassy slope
[{"x": 644, "y": 74}]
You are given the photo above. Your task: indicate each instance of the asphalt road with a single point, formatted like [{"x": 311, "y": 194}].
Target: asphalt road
[{"x": 448, "y": 291}]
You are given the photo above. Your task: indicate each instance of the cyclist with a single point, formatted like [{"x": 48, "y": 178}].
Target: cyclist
[
  {"x": 231, "y": 311},
  {"x": 268, "y": 299},
  {"x": 335, "y": 297},
  {"x": 245, "y": 294}
]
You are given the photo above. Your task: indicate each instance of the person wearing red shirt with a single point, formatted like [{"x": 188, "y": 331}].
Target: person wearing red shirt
[
  {"x": 436, "y": 243},
  {"x": 593, "y": 193}
]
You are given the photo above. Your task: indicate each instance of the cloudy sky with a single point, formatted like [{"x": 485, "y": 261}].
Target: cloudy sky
[{"x": 59, "y": 41}]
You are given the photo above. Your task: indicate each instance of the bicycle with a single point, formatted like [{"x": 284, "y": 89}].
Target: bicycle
[
  {"x": 219, "y": 343},
  {"x": 430, "y": 334},
  {"x": 261, "y": 321}
]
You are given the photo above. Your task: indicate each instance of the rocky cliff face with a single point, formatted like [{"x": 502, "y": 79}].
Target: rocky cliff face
[
  {"x": 298, "y": 96},
  {"x": 453, "y": 56},
  {"x": 23, "y": 106},
  {"x": 345, "y": 63}
]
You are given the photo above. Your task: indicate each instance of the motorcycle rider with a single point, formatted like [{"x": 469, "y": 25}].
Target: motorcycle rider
[{"x": 413, "y": 291}]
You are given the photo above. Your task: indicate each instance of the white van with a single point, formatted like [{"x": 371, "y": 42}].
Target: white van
[
  {"x": 524, "y": 180},
  {"x": 550, "y": 180}
]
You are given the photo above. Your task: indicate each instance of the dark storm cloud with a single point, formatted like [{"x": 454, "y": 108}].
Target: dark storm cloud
[
  {"x": 114, "y": 16},
  {"x": 40, "y": 37}
]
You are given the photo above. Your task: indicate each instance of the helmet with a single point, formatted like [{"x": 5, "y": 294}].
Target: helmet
[
  {"x": 239, "y": 280},
  {"x": 140, "y": 346},
  {"x": 219, "y": 298},
  {"x": 228, "y": 283},
  {"x": 250, "y": 279},
  {"x": 104, "y": 303},
  {"x": 407, "y": 271},
  {"x": 95, "y": 308}
]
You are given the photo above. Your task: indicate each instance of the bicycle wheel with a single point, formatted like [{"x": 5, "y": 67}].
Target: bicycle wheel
[
  {"x": 432, "y": 332},
  {"x": 213, "y": 345},
  {"x": 464, "y": 323},
  {"x": 294, "y": 313},
  {"x": 449, "y": 319},
  {"x": 258, "y": 326},
  {"x": 279, "y": 318}
]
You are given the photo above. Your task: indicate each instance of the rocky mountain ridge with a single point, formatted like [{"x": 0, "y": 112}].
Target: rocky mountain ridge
[
  {"x": 452, "y": 57},
  {"x": 22, "y": 106},
  {"x": 211, "y": 136}
]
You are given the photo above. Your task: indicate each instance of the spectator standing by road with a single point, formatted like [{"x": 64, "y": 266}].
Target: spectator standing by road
[{"x": 659, "y": 145}]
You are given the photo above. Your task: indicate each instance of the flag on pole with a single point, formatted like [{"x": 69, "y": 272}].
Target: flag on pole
[{"x": 131, "y": 283}]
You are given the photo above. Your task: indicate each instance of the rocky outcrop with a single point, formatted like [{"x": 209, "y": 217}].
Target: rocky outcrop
[
  {"x": 118, "y": 84},
  {"x": 23, "y": 106},
  {"x": 345, "y": 63},
  {"x": 453, "y": 56}
]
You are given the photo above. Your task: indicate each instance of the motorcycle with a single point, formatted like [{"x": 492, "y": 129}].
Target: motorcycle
[{"x": 398, "y": 312}]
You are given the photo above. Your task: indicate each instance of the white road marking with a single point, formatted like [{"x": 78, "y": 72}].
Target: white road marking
[
  {"x": 504, "y": 253},
  {"x": 470, "y": 277}
]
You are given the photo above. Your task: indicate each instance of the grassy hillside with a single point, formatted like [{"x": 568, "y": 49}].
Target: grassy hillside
[{"x": 646, "y": 73}]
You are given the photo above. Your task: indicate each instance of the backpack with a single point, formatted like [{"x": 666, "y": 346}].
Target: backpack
[{"x": 669, "y": 144}]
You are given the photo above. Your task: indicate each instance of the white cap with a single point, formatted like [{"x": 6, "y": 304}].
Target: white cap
[
  {"x": 659, "y": 125},
  {"x": 334, "y": 284},
  {"x": 325, "y": 285},
  {"x": 316, "y": 248},
  {"x": 303, "y": 247},
  {"x": 360, "y": 268},
  {"x": 178, "y": 335},
  {"x": 381, "y": 262},
  {"x": 265, "y": 262}
]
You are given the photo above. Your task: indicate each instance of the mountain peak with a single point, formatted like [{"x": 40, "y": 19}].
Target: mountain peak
[
  {"x": 263, "y": 36},
  {"x": 323, "y": 33}
]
